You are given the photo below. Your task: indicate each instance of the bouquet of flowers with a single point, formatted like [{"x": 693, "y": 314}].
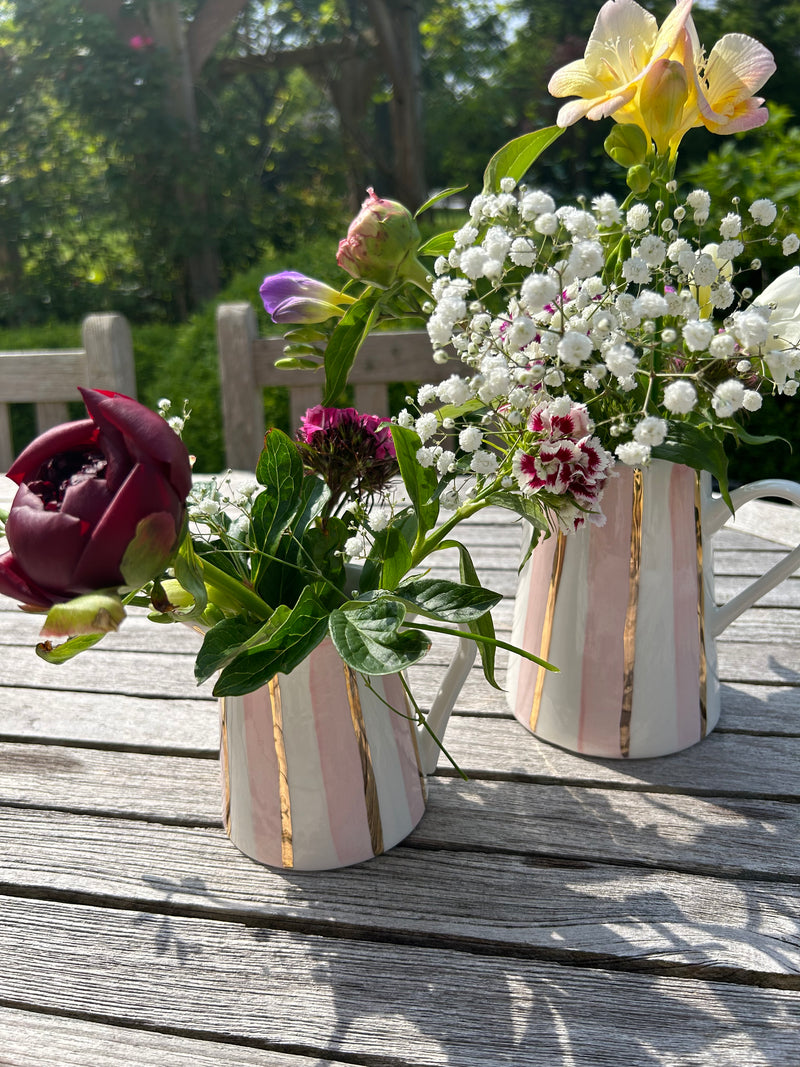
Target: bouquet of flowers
[
  {"x": 106, "y": 515},
  {"x": 581, "y": 335}
]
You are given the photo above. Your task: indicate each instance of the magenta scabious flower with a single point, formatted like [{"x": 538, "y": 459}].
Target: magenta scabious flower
[
  {"x": 353, "y": 452},
  {"x": 291, "y": 297}
]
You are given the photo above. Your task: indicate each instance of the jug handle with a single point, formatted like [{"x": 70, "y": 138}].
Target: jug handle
[
  {"x": 443, "y": 703},
  {"x": 714, "y": 517}
]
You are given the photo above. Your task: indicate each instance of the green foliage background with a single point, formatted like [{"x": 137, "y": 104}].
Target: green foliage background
[{"x": 89, "y": 158}]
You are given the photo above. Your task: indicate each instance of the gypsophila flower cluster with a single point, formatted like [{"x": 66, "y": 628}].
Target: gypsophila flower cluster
[{"x": 628, "y": 321}]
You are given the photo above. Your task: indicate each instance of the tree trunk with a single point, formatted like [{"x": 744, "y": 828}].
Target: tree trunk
[
  {"x": 397, "y": 25},
  {"x": 202, "y": 260}
]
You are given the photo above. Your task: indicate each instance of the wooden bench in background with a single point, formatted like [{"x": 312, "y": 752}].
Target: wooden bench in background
[
  {"x": 49, "y": 379},
  {"x": 247, "y": 366}
]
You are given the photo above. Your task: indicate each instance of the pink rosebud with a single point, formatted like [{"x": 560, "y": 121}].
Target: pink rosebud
[
  {"x": 381, "y": 243},
  {"x": 138, "y": 42}
]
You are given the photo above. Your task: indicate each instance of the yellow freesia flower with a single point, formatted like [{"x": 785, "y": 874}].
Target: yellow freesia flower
[
  {"x": 624, "y": 44},
  {"x": 736, "y": 68},
  {"x": 660, "y": 79}
]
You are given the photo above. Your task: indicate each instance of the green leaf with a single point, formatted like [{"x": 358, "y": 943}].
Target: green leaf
[
  {"x": 71, "y": 647},
  {"x": 421, "y": 483},
  {"x": 389, "y": 559},
  {"x": 308, "y": 333},
  {"x": 296, "y": 363},
  {"x": 440, "y": 245},
  {"x": 439, "y": 196},
  {"x": 439, "y": 598},
  {"x": 292, "y": 641},
  {"x": 514, "y": 159},
  {"x": 93, "y": 613},
  {"x": 482, "y": 627},
  {"x": 746, "y": 438},
  {"x": 527, "y": 507},
  {"x": 279, "y": 465},
  {"x": 189, "y": 573},
  {"x": 149, "y": 551},
  {"x": 280, "y": 471},
  {"x": 696, "y": 448},
  {"x": 226, "y": 640},
  {"x": 345, "y": 341},
  {"x": 369, "y": 640}
]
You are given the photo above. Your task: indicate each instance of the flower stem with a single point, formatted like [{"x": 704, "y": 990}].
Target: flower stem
[{"x": 232, "y": 589}]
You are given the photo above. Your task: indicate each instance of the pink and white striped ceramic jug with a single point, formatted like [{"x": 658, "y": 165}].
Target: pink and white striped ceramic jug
[
  {"x": 627, "y": 613},
  {"x": 321, "y": 769}
]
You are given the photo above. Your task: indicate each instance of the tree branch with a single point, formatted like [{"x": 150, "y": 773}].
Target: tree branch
[
  {"x": 315, "y": 55},
  {"x": 211, "y": 22}
]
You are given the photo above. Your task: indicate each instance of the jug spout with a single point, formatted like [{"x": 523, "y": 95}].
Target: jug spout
[{"x": 443, "y": 703}]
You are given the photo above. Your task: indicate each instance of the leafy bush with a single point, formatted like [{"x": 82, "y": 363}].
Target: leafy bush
[{"x": 180, "y": 362}]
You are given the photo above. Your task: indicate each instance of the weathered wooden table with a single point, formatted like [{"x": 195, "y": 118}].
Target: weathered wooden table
[{"x": 552, "y": 910}]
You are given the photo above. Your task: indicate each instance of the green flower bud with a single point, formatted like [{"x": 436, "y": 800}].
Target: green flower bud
[
  {"x": 627, "y": 145},
  {"x": 381, "y": 243},
  {"x": 638, "y": 178}
]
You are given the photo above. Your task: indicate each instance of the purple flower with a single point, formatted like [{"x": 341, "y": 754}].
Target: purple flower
[{"x": 290, "y": 297}]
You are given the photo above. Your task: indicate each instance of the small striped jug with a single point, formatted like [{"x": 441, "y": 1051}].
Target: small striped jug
[
  {"x": 323, "y": 768},
  {"x": 627, "y": 613}
]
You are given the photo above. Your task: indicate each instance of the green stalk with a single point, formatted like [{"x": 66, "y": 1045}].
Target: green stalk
[
  {"x": 486, "y": 640},
  {"x": 232, "y": 589}
]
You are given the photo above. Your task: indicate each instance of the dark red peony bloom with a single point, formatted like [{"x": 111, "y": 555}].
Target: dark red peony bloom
[{"x": 84, "y": 489}]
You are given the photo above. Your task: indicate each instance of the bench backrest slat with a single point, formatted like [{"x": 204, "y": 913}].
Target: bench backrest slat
[
  {"x": 49, "y": 378},
  {"x": 247, "y": 366}
]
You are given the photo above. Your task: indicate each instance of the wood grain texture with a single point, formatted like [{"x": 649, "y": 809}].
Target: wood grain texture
[
  {"x": 31, "y": 1039},
  {"x": 356, "y": 998},
  {"x": 551, "y": 911},
  {"x": 565, "y": 911}
]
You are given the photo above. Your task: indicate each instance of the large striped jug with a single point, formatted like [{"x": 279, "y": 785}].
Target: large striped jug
[
  {"x": 323, "y": 768},
  {"x": 627, "y": 613}
]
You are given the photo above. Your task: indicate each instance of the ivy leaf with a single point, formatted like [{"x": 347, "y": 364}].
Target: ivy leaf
[
  {"x": 514, "y": 159},
  {"x": 369, "y": 640}
]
